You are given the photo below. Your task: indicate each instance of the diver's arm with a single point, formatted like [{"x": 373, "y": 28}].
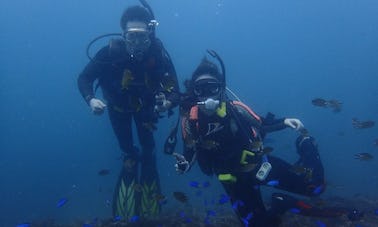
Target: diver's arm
[
  {"x": 91, "y": 72},
  {"x": 271, "y": 126},
  {"x": 188, "y": 157},
  {"x": 170, "y": 84}
]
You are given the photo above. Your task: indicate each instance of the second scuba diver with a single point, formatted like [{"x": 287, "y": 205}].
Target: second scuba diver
[{"x": 226, "y": 138}]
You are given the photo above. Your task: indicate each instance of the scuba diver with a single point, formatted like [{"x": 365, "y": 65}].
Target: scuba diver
[
  {"x": 138, "y": 82},
  {"x": 226, "y": 138}
]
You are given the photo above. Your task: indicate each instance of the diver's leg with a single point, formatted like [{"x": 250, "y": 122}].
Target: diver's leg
[
  {"x": 247, "y": 202},
  {"x": 149, "y": 179},
  {"x": 306, "y": 176},
  {"x": 309, "y": 158},
  {"x": 124, "y": 193}
]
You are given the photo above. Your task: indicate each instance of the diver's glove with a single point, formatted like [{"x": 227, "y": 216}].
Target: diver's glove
[
  {"x": 162, "y": 104},
  {"x": 182, "y": 165},
  {"x": 97, "y": 106},
  {"x": 294, "y": 123}
]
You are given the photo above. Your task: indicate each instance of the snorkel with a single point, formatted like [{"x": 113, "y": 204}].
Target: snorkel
[{"x": 212, "y": 104}]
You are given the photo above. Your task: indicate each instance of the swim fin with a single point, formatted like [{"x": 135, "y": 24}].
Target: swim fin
[
  {"x": 125, "y": 193},
  {"x": 149, "y": 202}
]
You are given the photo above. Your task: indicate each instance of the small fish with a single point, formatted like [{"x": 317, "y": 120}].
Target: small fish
[
  {"x": 211, "y": 213},
  {"x": 117, "y": 218},
  {"x": 224, "y": 199},
  {"x": 318, "y": 190},
  {"x": 194, "y": 184},
  {"x": 180, "y": 196},
  {"x": 206, "y": 184},
  {"x": 273, "y": 183},
  {"x": 376, "y": 212},
  {"x": 246, "y": 219},
  {"x": 320, "y": 224},
  {"x": 61, "y": 202},
  {"x": 363, "y": 156},
  {"x": 103, "y": 172},
  {"x": 295, "y": 210},
  {"x": 319, "y": 102},
  {"x": 236, "y": 204},
  {"x": 24, "y": 225},
  {"x": 161, "y": 199},
  {"x": 335, "y": 105},
  {"x": 134, "y": 219},
  {"x": 362, "y": 124}
]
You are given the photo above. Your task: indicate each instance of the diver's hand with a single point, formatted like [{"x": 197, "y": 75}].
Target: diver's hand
[
  {"x": 182, "y": 165},
  {"x": 294, "y": 123},
  {"x": 162, "y": 104},
  {"x": 97, "y": 106}
]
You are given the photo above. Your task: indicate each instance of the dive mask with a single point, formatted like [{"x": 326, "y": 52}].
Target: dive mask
[
  {"x": 207, "y": 89},
  {"x": 137, "y": 38},
  {"x": 208, "y": 92}
]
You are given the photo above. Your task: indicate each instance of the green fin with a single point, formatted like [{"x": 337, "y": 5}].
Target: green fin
[{"x": 124, "y": 199}]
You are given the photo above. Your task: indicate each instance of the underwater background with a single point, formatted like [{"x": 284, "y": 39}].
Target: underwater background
[{"x": 279, "y": 55}]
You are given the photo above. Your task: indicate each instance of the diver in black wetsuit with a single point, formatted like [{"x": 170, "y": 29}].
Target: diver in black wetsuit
[
  {"x": 138, "y": 81},
  {"x": 226, "y": 138}
]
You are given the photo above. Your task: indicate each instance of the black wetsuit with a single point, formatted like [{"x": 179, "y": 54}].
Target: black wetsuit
[
  {"x": 218, "y": 146},
  {"x": 129, "y": 87}
]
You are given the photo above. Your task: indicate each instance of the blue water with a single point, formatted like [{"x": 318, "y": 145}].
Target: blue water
[{"x": 279, "y": 55}]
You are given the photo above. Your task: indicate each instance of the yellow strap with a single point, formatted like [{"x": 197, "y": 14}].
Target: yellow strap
[
  {"x": 244, "y": 155},
  {"x": 227, "y": 178}
]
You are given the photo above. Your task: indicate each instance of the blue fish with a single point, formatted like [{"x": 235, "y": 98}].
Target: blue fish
[
  {"x": 188, "y": 220},
  {"x": 23, "y": 225},
  {"x": 182, "y": 214},
  {"x": 61, "y": 202},
  {"x": 236, "y": 204},
  {"x": 376, "y": 212},
  {"x": 194, "y": 184},
  {"x": 246, "y": 219},
  {"x": 88, "y": 225},
  {"x": 273, "y": 183},
  {"x": 211, "y": 213},
  {"x": 318, "y": 190},
  {"x": 206, "y": 184},
  {"x": 320, "y": 224},
  {"x": 117, "y": 218},
  {"x": 134, "y": 219},
  {"x": 207, "y": 221},
  {"x": 224, "y": 199},
  {"x": 295, "y": 210}
]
